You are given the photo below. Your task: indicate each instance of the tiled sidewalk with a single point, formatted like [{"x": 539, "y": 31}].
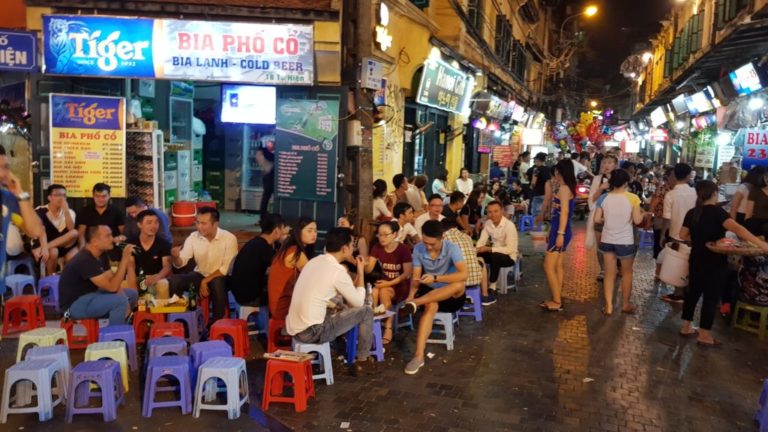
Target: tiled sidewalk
[{"x": 519, "y": 369}]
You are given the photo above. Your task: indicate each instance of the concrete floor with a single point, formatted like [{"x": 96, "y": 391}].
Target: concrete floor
[{"x": 520, "y": 369}]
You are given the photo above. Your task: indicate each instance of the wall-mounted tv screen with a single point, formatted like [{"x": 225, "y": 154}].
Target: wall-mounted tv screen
[
  {"x": 745, "y": 79},
  {"x": 698, "y": 103},
  {"x": 248, "y": 104}
]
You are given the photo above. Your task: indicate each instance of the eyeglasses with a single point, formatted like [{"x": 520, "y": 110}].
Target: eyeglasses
[{"x": 384, "y": 234}]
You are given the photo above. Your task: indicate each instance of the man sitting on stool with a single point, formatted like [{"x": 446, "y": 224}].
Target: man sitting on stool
[
  {"x": 439, "y": 275},
  {"x": 88, "y": 288},
  {"x": 502, "y": 232}
]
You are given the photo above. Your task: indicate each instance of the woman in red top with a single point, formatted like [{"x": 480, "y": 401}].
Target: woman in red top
[
  {"x": 394, "y": 259},
  {"x": 290, "y": 259}
]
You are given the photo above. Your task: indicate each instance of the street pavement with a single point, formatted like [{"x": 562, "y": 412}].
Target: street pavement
[{"x": 520, "y": 369}]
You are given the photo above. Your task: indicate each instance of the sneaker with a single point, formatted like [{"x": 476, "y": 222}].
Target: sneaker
[
  {"x": 489, "y": 299},
  {"x": 671, "y": 298},
  {"x": 409, "y": 308},
  {"x": 413, "y": 366}
]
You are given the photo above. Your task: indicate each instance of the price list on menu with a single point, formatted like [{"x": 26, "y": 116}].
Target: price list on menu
[{"x": 87, "y": 144}]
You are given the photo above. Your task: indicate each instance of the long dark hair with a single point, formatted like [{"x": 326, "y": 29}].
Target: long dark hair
[
  {"x": 379, "y": 188},
  {"x": 294, "y": 239},
  {"x": 474, "y": 196},
  {"x": 704, "y": 191},
  {"x": 565, "y": 169}
]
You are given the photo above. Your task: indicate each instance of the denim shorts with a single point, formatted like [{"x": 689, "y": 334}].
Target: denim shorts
[{"x": 621, "y": 251}]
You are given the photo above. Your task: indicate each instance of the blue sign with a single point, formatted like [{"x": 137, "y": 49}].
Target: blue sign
[
  {"x": 98, "y": 46},
  {"x": 18, "y": 51}
]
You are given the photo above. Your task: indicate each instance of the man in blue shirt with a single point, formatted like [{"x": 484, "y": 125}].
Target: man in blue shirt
[
  {"x": 16, "y": 208},
  {"x": 439, "y": 275}
]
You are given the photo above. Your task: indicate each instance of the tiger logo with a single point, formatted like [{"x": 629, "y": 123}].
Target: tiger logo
[{"x": 61, "y": 45}]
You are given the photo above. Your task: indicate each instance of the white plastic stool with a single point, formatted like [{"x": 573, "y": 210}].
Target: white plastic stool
[
  {"x": 504, "y": 276},
  {"x": 59, "y": 353},
  {"x": 323, "y": 358},
  {"x": 231, "y": 370},
  {"x": 43, "y": 336},
  {"x": 445, "y": 320},
  {"x": 17, "y": 283},
  {"x": 40, "y": 372},
  {"x": 245, "y": 312},
  {"x": 114, "y": 350}
]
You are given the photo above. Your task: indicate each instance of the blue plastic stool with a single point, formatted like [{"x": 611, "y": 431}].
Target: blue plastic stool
[
  {"x": 646, "y": 239},
  {"x": 231, "y": 370},
  {"x": 526, "y": 223},
  {"x": 323, "y": 358},
  {"x": 474, "y": 310},
  {"x": 352, "y": 345},
  {"x": 48, "y": 287},
  {"x": 377, "y": 348},
  {"x": 40, "y": 372},
  {"x": 761, "y": 416},
  {"x": 407, "y": 322},
  {"x": 503, "y": 284},
  {"x": 18, "y": 283},
  {"x": 202, "y": 352},
  {"x": 123, "y": 333},
  {"x": 192, "y": 321},
  {"x": 106, "y": 374},
  {"x": 172, "y": 366},
  {"x": 59, "y": 353},
  {"x": 445, "y": 320},
  {"x": 159, "y": 347}
]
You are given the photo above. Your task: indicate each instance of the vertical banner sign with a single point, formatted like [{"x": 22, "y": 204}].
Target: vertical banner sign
[
  {"x": 306, "y": 149},
  {"x": 87, "y": 143},
  {"x": 755, "y": 148},
  {"x": 178, "y": 49}
]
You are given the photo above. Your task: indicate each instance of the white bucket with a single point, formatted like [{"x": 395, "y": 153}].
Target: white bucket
[
  {"x": 539, "y": 241},
  {"x": 674, "y": 267}
]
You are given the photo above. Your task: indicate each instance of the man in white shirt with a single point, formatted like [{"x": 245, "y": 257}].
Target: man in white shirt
[
  {"x": 677, "y": 203},
  {"x": 213, "y": 249},
  {"x": 322, "y": 279},
  {"x": 434, "y": 212},
  {"x": 59, "y": 238},
  {"x": 407, "y": 234},
  {"x": 503, "y": 234}
]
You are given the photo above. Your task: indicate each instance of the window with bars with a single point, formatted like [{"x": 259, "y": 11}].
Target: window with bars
[
  {"x": 667, "y": 63},
  {"x": 687, "y": 43},
  {"x": 519, "y": 61},
  {"x": 503, "y": 40},
  {"x": 475, "y": 14},
  {"x": 726, "y": 10}
]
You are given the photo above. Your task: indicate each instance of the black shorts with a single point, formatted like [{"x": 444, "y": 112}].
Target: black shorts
[
  {"x": 63, "y": 251},
  {"x": 450, "y": 305}
]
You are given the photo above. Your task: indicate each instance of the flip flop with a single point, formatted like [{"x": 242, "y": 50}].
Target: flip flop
[
  {"x": 606, "y": 313},
  {"x": 714, "y": 343},
  {"x": 543, "y": 304},
  {"x": 689, "y": 334},
  {"x": 629, "y": 311},
  {"x": 554, "y": 309}
]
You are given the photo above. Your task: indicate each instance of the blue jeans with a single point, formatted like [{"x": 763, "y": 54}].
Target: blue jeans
[
  {"x": 536, "y": 203},
  {"x": 101, "y": 303},
  {"x": 339, "y": 324}
]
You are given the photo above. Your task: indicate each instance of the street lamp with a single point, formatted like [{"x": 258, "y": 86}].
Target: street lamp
[
  {"x": 593, "y": 103},
  {"x": 589, "y": 11}
]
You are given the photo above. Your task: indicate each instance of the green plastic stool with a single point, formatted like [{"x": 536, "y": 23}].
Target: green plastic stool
[{"x": 747, "y": 323}]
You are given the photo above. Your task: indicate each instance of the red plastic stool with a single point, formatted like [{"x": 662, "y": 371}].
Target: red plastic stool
[
  {"x": 162, "y": 329},
  {"x": 142, "y": 321},
  {"x": 301, "y": 372},
  {"x": 237, "y": 330},
  {"x": 22, "y": 313},
  {"x": 79, "y": 341},
  {"x": 275, "y": 340}
]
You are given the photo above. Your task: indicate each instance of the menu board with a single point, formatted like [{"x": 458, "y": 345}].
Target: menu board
[
  {"x": 504, "y": 156},
  {"x": 87, "y": 143},
  {"x": 306, "y": 149}
]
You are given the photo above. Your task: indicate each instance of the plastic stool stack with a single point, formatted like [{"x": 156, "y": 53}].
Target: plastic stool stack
[
  {"x": 122, "y": 333},
  {"x": 202, "y": 352},
  {"x": 114, "y": 350},
  {"x": 60, "y": 354},
  {"x": 160, "y": 367},
  {"x": 106, "y": 374},
  {"x": 303, "y": 384},
  {"x": 40, "y": 372},
  {"x": 23, "y": 313},
  {"x": 323, "y": 359},
  {"x": 231, "y": 370},
  {"x": 43, "y": 336},
  {"x": 159, "y": 347}
]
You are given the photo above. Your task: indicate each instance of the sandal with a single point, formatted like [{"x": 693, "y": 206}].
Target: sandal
[
  {"x": 543, "y": 304},
  {"x": 693, "y": 332},
  {"x": 606, "y": 313},
  {"x": 386, "y": 340},
  {"x": 714, "y": 343},
  {"x": 558, "y": 308},
  {"x": 629, "y": 311}
]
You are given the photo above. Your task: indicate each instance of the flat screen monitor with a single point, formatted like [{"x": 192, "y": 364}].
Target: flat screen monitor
[
  {"x": 658, "y": 117},
  {"x": 678, "y": 104},
  {"x": 745, "y": 80},
  {"x": 698, "y": 103},
  {"x": 248, "y": 104}
]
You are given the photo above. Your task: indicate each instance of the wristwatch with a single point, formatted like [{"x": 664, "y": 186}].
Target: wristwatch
[{"x": 24, "y": 196}]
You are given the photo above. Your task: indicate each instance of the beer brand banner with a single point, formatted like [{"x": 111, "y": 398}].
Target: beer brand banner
[
  {"x": 755, "y": 148},
  {"x": 177, "y": 49},
  {"x": 87, "y": 143}
]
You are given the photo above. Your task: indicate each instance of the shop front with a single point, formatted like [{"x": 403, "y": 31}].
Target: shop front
[{"x": 200, "y": 109}]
